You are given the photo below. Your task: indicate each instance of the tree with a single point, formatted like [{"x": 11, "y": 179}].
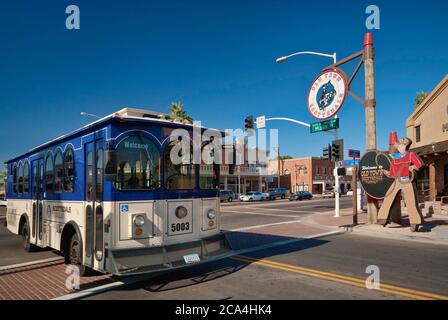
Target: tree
[
  {"x": 419, "y": 97},
  {"x": 286, "y": 157},
  {"x": 177, "y": 110}
]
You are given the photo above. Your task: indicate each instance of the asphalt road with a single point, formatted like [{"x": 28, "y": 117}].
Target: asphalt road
[
  {"x": 11, "y": 251},
  {"x": 419, "y": 267}
]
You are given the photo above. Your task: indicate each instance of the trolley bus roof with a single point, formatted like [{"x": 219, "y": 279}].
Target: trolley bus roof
[{"x": 129, "y": 115}]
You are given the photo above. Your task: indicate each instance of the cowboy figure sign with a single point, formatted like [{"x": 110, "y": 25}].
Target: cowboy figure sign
[
  {"x": 403, "y": 167},
  {"x": 384, "y": 175}
]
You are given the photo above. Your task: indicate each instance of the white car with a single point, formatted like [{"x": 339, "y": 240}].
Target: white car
[
  {"x": 349, "y": 193},
  {"x": 2, "y": 203},
  {"x": 253, "y": 196}
]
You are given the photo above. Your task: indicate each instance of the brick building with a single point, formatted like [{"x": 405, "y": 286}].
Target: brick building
[{"x": 311, "y": 174}]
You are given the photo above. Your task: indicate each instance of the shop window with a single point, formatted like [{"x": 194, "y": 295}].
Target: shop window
[{"x": 417, "y": 134}]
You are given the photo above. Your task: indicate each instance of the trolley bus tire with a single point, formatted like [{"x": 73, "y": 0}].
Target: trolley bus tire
[
  {"x": 74, "y": 255},
  {"x": 25, "y": 232}
]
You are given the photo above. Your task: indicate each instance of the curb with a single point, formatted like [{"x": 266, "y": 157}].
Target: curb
[{"x": 386, "y": 235}]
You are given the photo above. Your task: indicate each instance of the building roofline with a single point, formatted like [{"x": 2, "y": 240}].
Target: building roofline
[{"x": 442, "y": 85}]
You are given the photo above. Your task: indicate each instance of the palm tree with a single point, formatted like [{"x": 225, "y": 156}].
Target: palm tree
[
  {"x": 177, "y": 110},
  {"x": 420, "y": 96}
]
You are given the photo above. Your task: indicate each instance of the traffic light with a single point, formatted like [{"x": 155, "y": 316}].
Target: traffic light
[
  {"x": 342, "y": 171},
  {"x": 337, "y": 150},
  {"x": 326, "y": 153},
  {"x": 249, "y": 123}
]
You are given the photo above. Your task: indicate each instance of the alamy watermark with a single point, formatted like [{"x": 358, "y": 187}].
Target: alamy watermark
[
  {"x": 73, "y": 21},
  {"x": 373, "y": 19},
  {"x": 373, "y": 280},
  {"x": 72, "y": 282}
]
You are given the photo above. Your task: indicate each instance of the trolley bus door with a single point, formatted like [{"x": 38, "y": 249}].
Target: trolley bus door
[
  {"x": 94, "y": 237},
  {"x": 36, "y": 225}
]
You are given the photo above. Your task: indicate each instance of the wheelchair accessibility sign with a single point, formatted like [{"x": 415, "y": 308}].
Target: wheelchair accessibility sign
[{"x": 124, "y": 208}]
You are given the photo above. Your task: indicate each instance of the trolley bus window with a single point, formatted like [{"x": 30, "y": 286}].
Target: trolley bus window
[
  {"x": 20, "y": 179},
  {"x": 26, "y": 178},
  {"x": 99, "y": 175},
  {"x": 138, "y": 164},
  {"x": 179, "y": 176},
  {"x": 49, "y": 175},
  {"x": 69, "y": 165},
  {"x": 208, "y": 171},
  {"x": 58, "y": 172},
  {"x": 14, "y": 175}
]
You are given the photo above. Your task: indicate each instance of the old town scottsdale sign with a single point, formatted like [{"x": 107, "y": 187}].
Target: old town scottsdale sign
[{"x": 327, "y": 94}]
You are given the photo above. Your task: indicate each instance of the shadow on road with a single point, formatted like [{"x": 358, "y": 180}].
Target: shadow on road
[{"x": 194, "y": 275}]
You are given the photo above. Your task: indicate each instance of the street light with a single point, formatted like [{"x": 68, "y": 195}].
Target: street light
[
  {"x": 336, "y": 177},
  {"x": 283, "y": 59},
  {"x": 85, "y": 114}
]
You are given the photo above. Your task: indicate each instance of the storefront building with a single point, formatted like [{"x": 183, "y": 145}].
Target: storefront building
[
  {"x": 311, "y": 174},
  {"x": 427, "y": 126}
]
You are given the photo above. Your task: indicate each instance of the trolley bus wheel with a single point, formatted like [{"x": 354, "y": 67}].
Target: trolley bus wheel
[
  {"x": 27, "y": 246},
  {"x": 74, "y": 254}
]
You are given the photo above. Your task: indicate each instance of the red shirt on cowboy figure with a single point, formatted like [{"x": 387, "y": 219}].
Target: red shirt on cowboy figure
[{"x": 401, "y": 163}]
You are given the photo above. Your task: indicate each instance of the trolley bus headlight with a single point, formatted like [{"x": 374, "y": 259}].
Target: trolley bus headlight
[
  {"x": 181, "y": 212},
  {"x": 139, "y": 221},
  {"x": 211, "y": 214}
]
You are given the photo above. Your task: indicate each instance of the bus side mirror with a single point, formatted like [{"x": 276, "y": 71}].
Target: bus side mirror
[{"x": 110, "y": 172}]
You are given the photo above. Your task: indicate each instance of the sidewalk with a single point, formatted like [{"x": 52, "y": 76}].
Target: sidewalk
[{"x": 434, "y": 230}]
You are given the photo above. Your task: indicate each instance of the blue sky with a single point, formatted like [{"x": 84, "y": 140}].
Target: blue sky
[{"x": 217, "y": 57}]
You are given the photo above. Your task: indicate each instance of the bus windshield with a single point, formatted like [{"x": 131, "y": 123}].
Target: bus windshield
[
  {"x": 138, "y": 162},
  {"x": 179, "y": 176}
]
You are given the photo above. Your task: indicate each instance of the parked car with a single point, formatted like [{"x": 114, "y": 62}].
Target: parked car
[
  {"x": 275, "y": 193},
  {"x": 328, "y": 194},
  {"x": 253, "y": 196},
  {"x": 301, "y": 195},
  {"x": 227, "y": 195},
  {"x": 2, "y": 203},
  {"x": 349, "y": 193}
]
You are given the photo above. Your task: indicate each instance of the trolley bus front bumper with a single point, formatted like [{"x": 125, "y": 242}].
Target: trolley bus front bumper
[{"x": 144, "y": 260}]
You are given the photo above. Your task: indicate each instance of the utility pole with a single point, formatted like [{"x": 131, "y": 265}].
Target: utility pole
[
  {"x": 370, "y": 112},
  {"x": 278, "y": 167},
  {"x": 355, "y": 194}
]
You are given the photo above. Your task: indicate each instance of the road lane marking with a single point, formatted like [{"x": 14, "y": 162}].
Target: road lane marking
[
  {"x": 264, "y": 225},
  {"x": 30, "y": 263},
  {"x": 288, "y": 210},
  {"x": 259, "y": 214},
  {"x": 410, "y": 293},
  {"x": 136, "y": 279}
]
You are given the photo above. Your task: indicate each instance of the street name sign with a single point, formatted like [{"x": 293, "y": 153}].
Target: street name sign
[
  {"x": 350, "y": 163},
  {"x": 352, "y": 153},
  {"x": 261, "y": 122},
  {"x": 331, "y": 124}
]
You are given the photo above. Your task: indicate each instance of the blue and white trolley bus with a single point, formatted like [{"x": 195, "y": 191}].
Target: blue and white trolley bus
[{"x": 108, "y": 197}]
